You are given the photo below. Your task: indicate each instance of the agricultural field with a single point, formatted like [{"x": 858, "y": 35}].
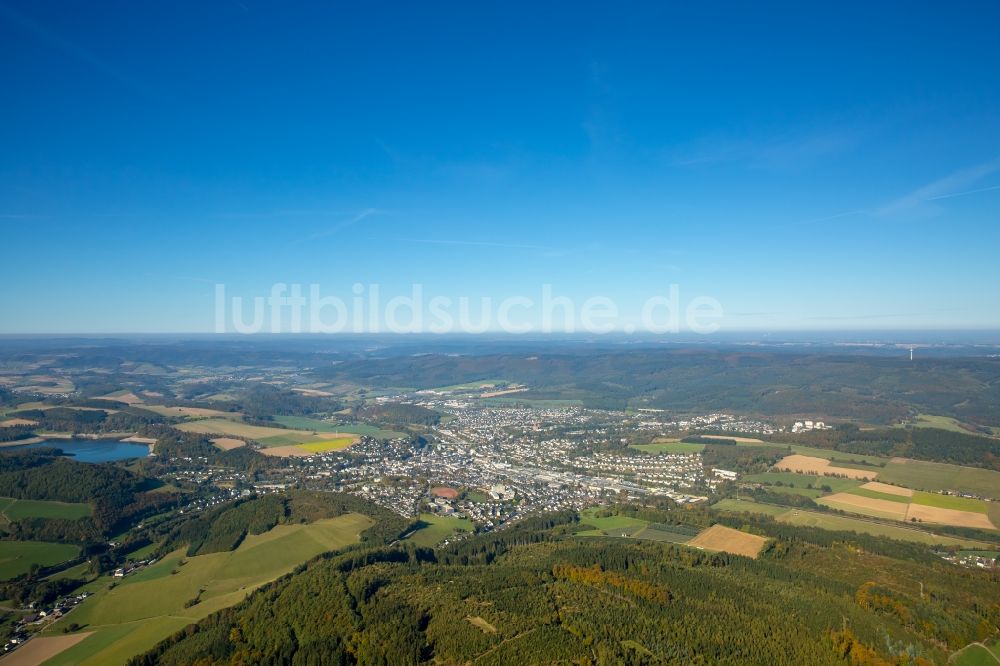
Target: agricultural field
[
  {"x": 146, "y": 607},
  {"x": 748, "y": 506},
  {"x": 189, "y": 412},
  {"x": 941, "y": 422},
  {"x": 227, "y": 443},
  {"x": 836, "y": 522},
  {"x": 269, "y": 437},
  {"x": 437, "y": 529},
  {"x": 931, "y": 476},
  {"x": 633, "y": 528},
  {"x": 16, "y": 557},
  {"x": 728, "y": 540},
  {"x": 15, "y": 509},
  {"x": 821, "y": 466}
]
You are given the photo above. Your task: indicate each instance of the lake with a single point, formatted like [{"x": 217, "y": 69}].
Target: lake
[{"x": 93, "y": 450}]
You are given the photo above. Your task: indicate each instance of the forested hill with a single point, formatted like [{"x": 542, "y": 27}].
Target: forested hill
[
  {"x": 532, "y": 594},
  {"x": 864, "y": 388}
]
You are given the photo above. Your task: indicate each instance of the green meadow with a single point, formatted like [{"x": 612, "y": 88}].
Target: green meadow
[
  {"x": 438, "y": 528},
  {"x": 16, "y": 557},
  {"x": 143, "y": 609}
]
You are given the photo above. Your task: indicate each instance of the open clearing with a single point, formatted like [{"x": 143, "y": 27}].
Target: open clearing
[
  {"x": 734, "y": 438},
  {"x": 887, "y": 489},
  {"x": 42, "y": 649},
  {"x": 147, "y": 607},
  {"x": 728, "y": 540},
  {"x": 16, "y": 557},
  {"x": 801, "y": 480},
  {"x": 481, "y": 624},
  {"x": 866, "y": 506},
  {"x": 820, "y": 466},
  {"x": 227, "y": 443}
]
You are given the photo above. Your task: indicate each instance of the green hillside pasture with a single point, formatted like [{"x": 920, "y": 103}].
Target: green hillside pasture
[
  {"x": 437, "y": 529},
  {"x": 930, "y": 476},
  {"x": 669, "y": 447},
  {"x": 940, "y": 422},
  {"x": 16, "y": 557},
  {"x": 835, "y": 522},
  {"x": 147, "y": 607},
  {"x": 18, "y": 509}
]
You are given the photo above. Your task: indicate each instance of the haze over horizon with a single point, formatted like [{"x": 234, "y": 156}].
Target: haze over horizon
[{"x": 809, "y": 169}]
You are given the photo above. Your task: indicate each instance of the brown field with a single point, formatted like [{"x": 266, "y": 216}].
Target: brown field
[
  {"x": 496, "y": 394},
  {"x": 887, "y": 489},
  {"x": 728, "y": 540},
  {"x": 228, "y": 443},
  {"x": 933, "y": 514},
  {"x": 38, "y": 650},
  {"x": 128, "y": 398},
  {"x": 867, "y": 505},
  {"x": 292, "y": 451},
  {"x": 444, "y": 491},
  {"x": 17, "y": 422},
  {"x": 820, "y": 466}
]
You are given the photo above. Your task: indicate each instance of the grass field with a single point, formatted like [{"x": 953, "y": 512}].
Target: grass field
[
  {"x": 14, "y": 509},
  {"x": 942, "y": 422},
  {"x": 747, "y": 506},
  {"x": 145, "y": 608},
  {"x": 189, "y": 412},
  {"x": 975, "y": 655},
  {"x": 802, "y": 480},
  {"x": 931, "y": 476},
  {"x": 437, "y": 529},
  {"x": 949, "y": 502},
  {"x": 669, "y": 447},
  {"x": 874, "y": 494},
  {"x": 16, "y": 557}
]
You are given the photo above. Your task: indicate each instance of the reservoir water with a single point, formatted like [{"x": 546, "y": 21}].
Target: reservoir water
[{"x": 93, "y": 450}]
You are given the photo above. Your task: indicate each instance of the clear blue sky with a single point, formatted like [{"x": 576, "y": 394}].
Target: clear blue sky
[{"x": 808, "y": 167}]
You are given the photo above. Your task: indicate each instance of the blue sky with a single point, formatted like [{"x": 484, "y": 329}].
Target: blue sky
[{"x": 833, "y": 167}]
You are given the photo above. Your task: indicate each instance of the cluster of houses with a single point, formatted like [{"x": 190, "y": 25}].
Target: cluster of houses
[
  {"x": 39, "y": 617},
  {"x": 132, "y": 567},
  {"x": 801, "y": 426}
]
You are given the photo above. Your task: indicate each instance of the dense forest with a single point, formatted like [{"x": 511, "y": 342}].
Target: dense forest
[
  {"x": 535, "y": 594},
  {"x": 117, "y": 496}
]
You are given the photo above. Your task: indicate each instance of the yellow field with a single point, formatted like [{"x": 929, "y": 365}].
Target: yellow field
[
  {"x": 335, "y": 444},
  {"x": 728, "y": 540},
  {"x": 866, "y": 506},
  {"x": 933, "y": 514}
]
